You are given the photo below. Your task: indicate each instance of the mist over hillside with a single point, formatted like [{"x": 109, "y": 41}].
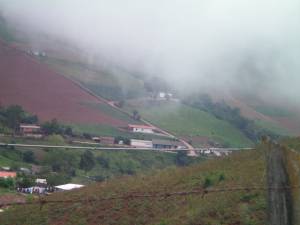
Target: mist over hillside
[{"x": 220, "y": 46}]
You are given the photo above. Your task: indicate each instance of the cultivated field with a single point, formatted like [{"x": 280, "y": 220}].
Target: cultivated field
[{"x": 26, "y": 82}]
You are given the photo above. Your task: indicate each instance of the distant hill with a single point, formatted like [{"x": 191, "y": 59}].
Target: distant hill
[
  {"x": 279, "y": 117},
  {"x": 243, "y": 169}
]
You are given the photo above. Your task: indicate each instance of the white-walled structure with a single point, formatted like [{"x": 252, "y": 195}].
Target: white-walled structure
[{"x": 141, "y": 129}]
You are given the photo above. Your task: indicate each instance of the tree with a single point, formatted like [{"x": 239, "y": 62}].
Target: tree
[
  {"x": 182, "y": 159},
  {"x": 52, "y": 127},
  {"x": 14, "y": 116},
  {"x": 57, "y": 179},
  {"x": 29, "y": 157},
  {"x": 136, "y": 115},
  {"x": 56, "y": 139},
  {"x": 62, "y": 161},
  {"x": 7, "y": 182},
  {"x": 69, "y": 131},
  {"x": 30, "y": 119},
  {"x": 103, "y": 161},
  {"x": 87, "y": 161},
  {"x": 25, "y": 181}
]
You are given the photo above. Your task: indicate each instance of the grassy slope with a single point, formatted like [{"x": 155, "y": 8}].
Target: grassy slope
[
  {"x": 133, "y": 162},
  {"x": 112, "y": 112},
  {"x": 273, "y": 127},
  {"x": 111, "y": 85},
  {"x": 274, "y": 111},
  {"x": 186, "y": 121},
  {"x": 104, "y": 130},
  {"x": 293, "y": 143},
  {"x": 239, "y": 207}
]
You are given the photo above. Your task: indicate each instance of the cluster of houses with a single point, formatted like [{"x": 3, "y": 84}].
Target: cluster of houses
[
  {"x": 137, "y": 143},
  {"x": 41, "y": 186},
  {"x": 214, "y": 152}
]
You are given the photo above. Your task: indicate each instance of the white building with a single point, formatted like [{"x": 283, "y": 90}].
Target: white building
[
  {"x": 141, "y": 129},
  {"x": 40, "y": 181}
]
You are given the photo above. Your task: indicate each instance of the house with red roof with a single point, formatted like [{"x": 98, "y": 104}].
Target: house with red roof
[{"x": 7, "y": 174}]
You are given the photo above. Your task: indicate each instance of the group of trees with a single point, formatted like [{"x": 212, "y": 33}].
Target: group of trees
[
  {"x": 223, "y": 111},
  {"x": 7, "y": 183},
  {"x": 54, "y": 127},
  {"x": 13, "y": 115},
  {"x": 22, "y": 181}
]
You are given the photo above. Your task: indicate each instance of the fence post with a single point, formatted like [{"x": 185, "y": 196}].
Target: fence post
[{"x": 278, "y": 194}]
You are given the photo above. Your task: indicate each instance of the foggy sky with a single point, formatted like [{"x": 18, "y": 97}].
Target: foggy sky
[{"x": 249, "y": 45}]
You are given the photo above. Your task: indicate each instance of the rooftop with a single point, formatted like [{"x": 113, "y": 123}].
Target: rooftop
[
  {"x": 7, "y": 174},
  {"x": 165, "y": 142},
  {"x": 33, "y": 126},
  {"x": 138, "y": 140}
]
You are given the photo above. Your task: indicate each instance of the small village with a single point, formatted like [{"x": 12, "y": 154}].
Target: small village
[{"x": 40, "y": 185}]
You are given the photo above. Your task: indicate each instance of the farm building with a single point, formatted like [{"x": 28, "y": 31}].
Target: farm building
[
  {"x": 29, "y": 129},
  {"x": 41, "y": 181},
  {"x": 6, "y": 174},
  {"x": 96, "y": 139},
  {"x": 166, "y": 144},
  {"x": 107, "y": 140},
  {"x": 141, "y": 129},
  {"x": 141, "y": 143},
  {"x": 104, "y": 140}
]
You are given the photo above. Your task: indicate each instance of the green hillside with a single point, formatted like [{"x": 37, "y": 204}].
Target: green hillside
[
  {"x": 273, "y": 127},
  {"x": 245, "y": 207},
  {"x": 184, "y": 121}
]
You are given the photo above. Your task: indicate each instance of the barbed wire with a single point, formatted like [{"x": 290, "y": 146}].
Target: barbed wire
[{"x": 164, "y": 195}]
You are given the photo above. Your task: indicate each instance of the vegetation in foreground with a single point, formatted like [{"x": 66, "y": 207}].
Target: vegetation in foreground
[{"x": 242, "y": 169}]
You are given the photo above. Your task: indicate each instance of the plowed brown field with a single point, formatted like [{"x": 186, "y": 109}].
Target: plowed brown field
[{"x": 39, "y": 90}]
